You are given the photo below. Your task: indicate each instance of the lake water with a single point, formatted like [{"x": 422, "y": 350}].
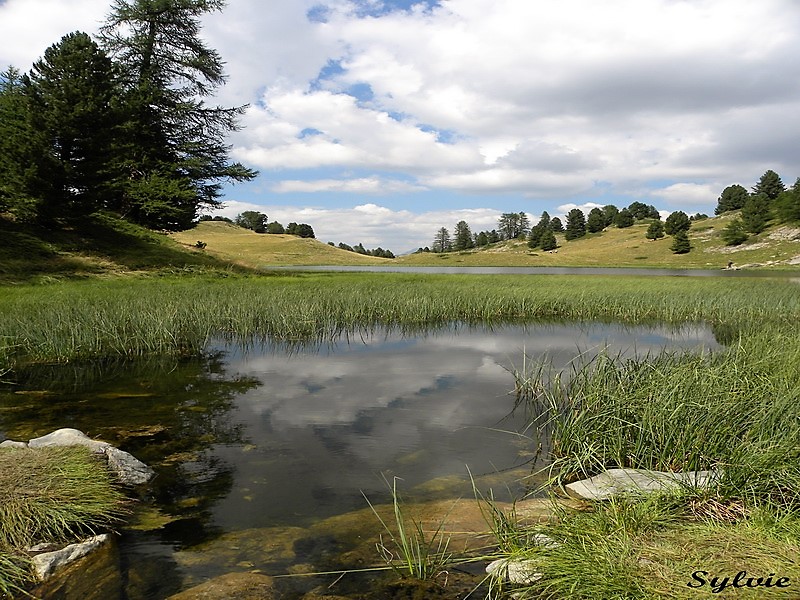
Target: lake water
[{"x": 254, "y": 447}]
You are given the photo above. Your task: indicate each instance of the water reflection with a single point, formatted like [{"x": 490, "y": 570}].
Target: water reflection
[{"x": 254, "y": 442}]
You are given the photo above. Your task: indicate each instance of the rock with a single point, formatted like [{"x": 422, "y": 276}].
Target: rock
[
  {"x": 46, "y": 563},
  {"x": 617, "y": 482},
  {"x": 233, "y": 586},
  {"x": 128, "y": 469},
  {"x": 67, "y": 437},
  {"x": 95, "y": 575},
  {"x": 13, "y": 444},
  {"x": 514, "y": 570}
]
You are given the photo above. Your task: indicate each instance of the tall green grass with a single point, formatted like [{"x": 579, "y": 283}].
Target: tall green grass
[
  {"x": 182, "y": 314},
  {"x": 47, "y": 495},
  {"x": 736, "y": 410}
]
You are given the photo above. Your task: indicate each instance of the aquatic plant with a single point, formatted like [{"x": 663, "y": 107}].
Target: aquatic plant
[{"x": 408, "y": 549}]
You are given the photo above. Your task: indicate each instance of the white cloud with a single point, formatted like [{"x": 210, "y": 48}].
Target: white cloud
[{"x": 557, "y": 101}]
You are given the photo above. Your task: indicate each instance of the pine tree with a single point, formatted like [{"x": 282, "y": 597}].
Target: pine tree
[
  {"x": 733, "y": 197},
  {"x": 624, "y": 219},
  {"x": 462, "y": 237},
  {"x": 680, "y": 243},
  {"x": 770, "y": 186},
  {"x": 655, "y": 231},
  {"x": 442, "y": 241},
  {"x": 18, "y": 149},
  {"x": 755, "y": 213},
  {"x": 71, "y": 93},
  {"x": 677, "y": 221},
  {"x": 596, "y": 221},
  {"x": 576, "y": 224},
  {"x": 547, "y": 241},
  {"x": 175, "y": 154}
]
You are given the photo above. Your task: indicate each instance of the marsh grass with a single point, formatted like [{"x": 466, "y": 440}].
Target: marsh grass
[
  {"x": 408, "y": 549},
  {"x": 626, "y": 549},
  {"x": 174, "y": 315},
  {"x": 47, "y": 495}
]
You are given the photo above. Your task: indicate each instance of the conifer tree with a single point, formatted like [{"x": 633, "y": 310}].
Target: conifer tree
[{"x": 175, "y": 152}]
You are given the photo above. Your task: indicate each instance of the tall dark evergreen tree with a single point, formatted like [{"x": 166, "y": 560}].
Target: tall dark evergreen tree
[
  {"x": 535, "y": 235},
  {"x": 624, "y": 219},
  {"x": 176, "y": 154},
  {"x": 680, "y": 243},
  {"x": 755, "y": 213},
  {"x": 576, "y": 224},
  {"x": 655, "y": 231},
  {"x": 17, "y": 150},
  {"x": 610, "y": 214},
  {"x": 596, "y": 221},
  {"x": 788, "y": 204},
  {"x": 442, "y": 241},
  {"x": 462, "y": 237},
  {"x": 677, "y": 221},
  {"x": 71, "y": 92},
  {"x": 769, "y": 186},
  {"x": 556, "y": 225},
  {"x": 733, "y": 197}
]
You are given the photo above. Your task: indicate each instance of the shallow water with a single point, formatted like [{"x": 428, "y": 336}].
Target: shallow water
[{"x": 255, "y": 447}]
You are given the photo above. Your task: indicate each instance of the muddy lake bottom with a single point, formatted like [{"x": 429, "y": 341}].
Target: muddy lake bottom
[{"x": 266, "y": 455}]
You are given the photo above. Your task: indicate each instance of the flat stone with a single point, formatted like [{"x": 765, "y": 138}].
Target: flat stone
[
  {"x": 233, "y": 586},
  {"x": 514, "y": 570},
  {"x": 47, "y": 563},
  {"x": 13, "y": 444},
  {"x": 67, "y": 437},
  {"x": 618, "y": 482}
]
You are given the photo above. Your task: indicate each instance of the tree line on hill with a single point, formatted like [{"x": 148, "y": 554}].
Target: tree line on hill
[
  {"x": 542, "y": 235},
  {"x": 259, "y": 222},
  {"x": 769, "y": 200},
  {"x": 120, "y": 122}
]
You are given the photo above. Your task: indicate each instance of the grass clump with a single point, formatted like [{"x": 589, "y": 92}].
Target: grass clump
[
  {"x": 656, "y": 548},
  {"x": 411, "y": 551},
  {"x": 50, "y": 495}
]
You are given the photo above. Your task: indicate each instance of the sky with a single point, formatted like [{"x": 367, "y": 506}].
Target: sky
[{"x": 380, "y": 121}]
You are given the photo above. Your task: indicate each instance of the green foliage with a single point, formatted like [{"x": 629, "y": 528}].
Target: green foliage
[
  {"x": 655, "y": 231},
  {"x": 71, "y": 92},
  {"x": 275, "y": 228},
  {"x": 463, "y": 237},
  {"x": 50, "y": 494},
  {"x": 442, "y": 241},
  {"x": 624, "y": 219},
  {"x": 576, "y": 224},
  {"x": 769, "y": 185},
  {"x": 676, "y": 222},
  {"x": 556, "y": 225},
  {"x": 548, "y": 241},
  {"x": 755, "y": 213},
  {"x": 169, "y": 132},
  {"x": 734, "y": 233},
  {"x": 303, "y": 230},
  {"x": 610, "y": 213},
  {"x": 788, "y": 204},
  {"x": 596, "y": 221},
  {"x": 513, "y": 225},
  {"x": 17, "y": 148},
  {"x": 733, "y": 197},
  {"x": 680, "y": 243},
  {"x": 641, "y": 211},
  {"x": 252, "y": 219},
  {"x": 412, "y": 552},
  {"x": 538, "y": 230}
]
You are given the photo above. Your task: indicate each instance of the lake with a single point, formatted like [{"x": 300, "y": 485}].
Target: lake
[{"x": 254, "y": 447}]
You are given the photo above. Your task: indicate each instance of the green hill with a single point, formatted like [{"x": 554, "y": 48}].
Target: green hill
[
  {"x": 104, "y": 244},
  {"x": 777, "y": 247}
]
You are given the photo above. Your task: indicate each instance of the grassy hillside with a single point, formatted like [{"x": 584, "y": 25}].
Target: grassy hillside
[
  {"x": 99, "y": 244},
  {"x": 778, "y": 246},
  {"x": 103, "y": 244},
  {"x": 245, "y": 247}
]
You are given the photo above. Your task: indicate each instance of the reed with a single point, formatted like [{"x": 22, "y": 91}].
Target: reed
[
  {"x": 176, "y": 315},
  {"x": 411, "y": 551}
]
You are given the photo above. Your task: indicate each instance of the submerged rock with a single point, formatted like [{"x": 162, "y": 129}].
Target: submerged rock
[
  {"x": 515, "y": 570},
  {"x": 233, "y": 586},
  {"x": 618, "y": 482}
]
